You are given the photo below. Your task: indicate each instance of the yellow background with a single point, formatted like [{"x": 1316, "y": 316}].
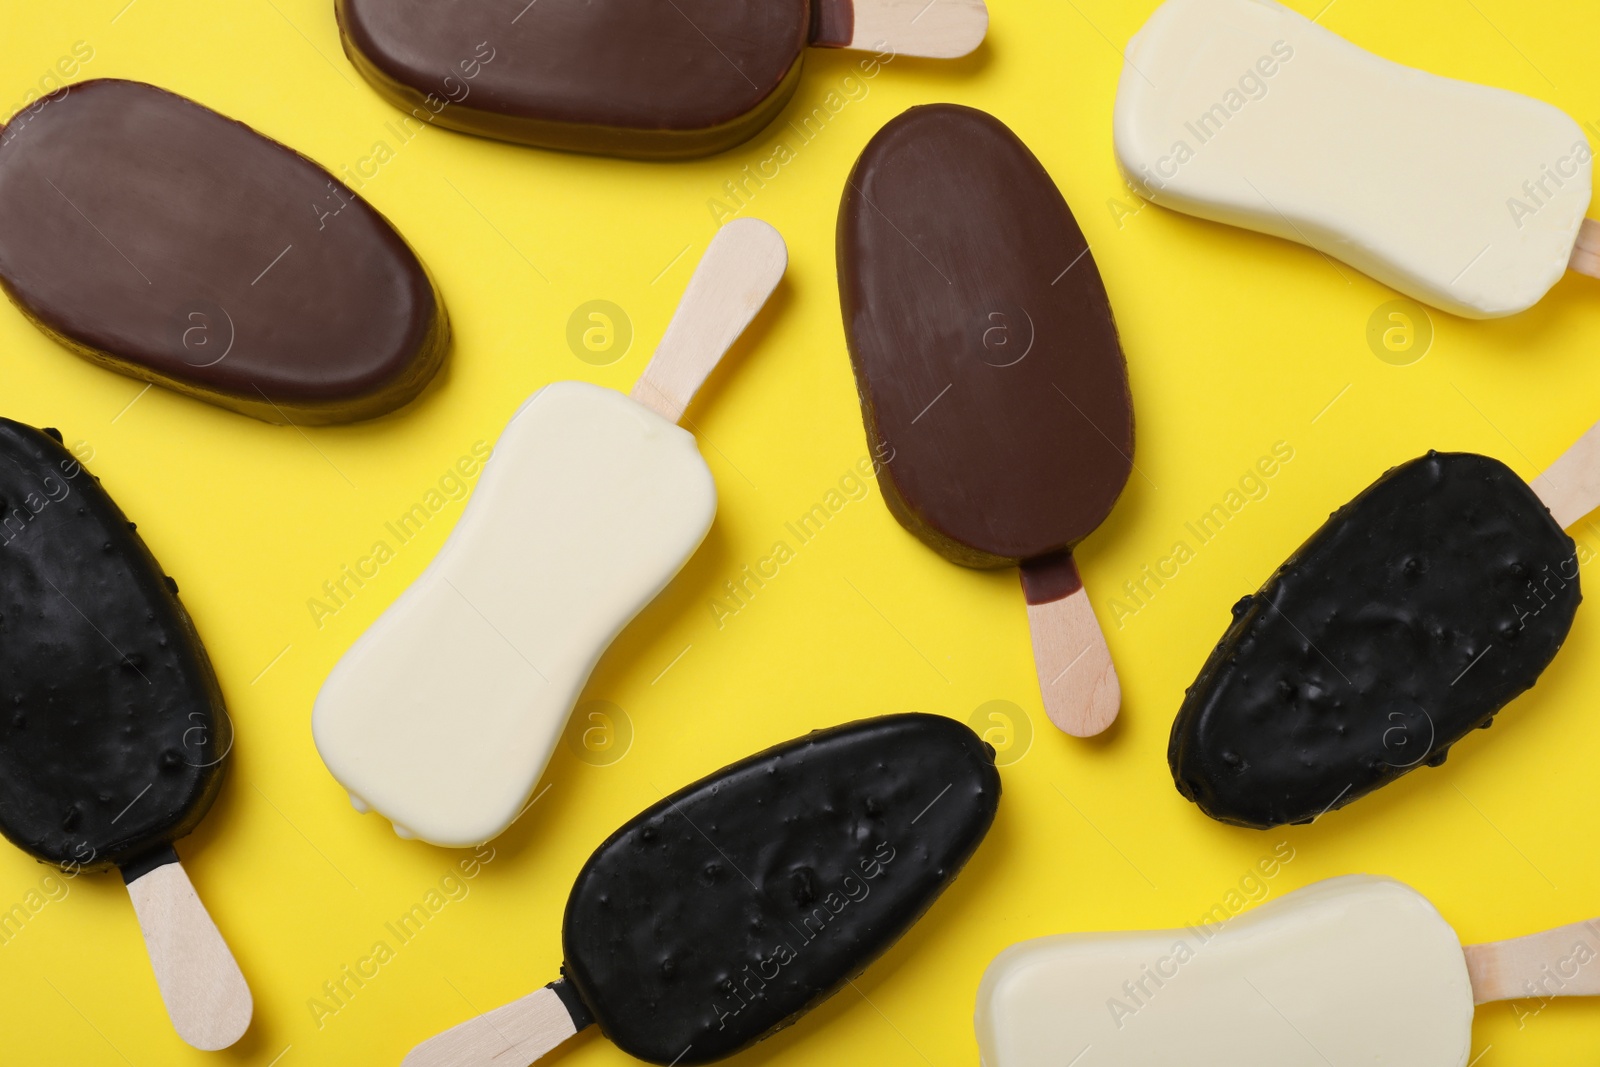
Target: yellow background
[{"x": 1234, "y": 342}]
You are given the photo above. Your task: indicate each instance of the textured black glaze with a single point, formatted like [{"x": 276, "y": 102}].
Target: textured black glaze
[
  {"x": 113, "y": 735},
  {"x": 666, "y": 80},
  {"x": 740, "y": 902},
  {"x": 1418, "y": 611},
  {"x": 982, "y": 339},
  {"x": 159, "y": 239}
]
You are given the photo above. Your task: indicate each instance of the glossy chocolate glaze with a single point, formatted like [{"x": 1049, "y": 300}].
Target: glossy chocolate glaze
[
  {"x": 732, "y": 907},
  {"x": 984, "y": 348},
  {"x": 113, "y": 735},
  {"x": 167, "y": 242},
  {"x": 1418, "y": 611},
  {"x": 619, "y": 77}
]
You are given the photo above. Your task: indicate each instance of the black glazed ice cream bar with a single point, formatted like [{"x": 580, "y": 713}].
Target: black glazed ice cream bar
[
  {"x": 1418, "y": 611},
  {"x": 113, "y": 733},
  {"x": 619, "y": 77},
  {"x": 159, "y": 239},
  {"x": 739, "y": 903}
]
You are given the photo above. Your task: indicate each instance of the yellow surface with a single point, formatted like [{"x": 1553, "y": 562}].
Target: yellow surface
[{"x": 1235, "y": 342}]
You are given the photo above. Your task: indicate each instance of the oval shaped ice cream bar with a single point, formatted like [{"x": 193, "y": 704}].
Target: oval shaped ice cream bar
[
  {"x": 113, "y": 733},
  {"x": 444, "y": 714},
  {"x": 1417, "y": 612},
  {"x": 1463, "y": 196},
  {"x": 992, "y": 381},
  {"x": 164, "y": 241},
  {"x": 739, "y": 903},
  {"x": 619, "y": 77},
  {"x": 1350, "y": 970}
]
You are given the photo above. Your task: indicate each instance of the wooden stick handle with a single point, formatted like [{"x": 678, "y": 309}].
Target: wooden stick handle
[
  {"x": 940, "y": 29},
  {"x": 1564, "y": 962},
  {"x": 741, "y": 268},
  {"x": 1079, "y": 684},
  {"x": 1586, "y": 253},
  {"x": 201, "y": 985},
  {"x": 513, "y": 1036},
  {"x": 1570, "y": 487}
]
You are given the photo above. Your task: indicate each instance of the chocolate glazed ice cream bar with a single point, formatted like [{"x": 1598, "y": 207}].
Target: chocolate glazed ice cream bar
[
  {"x": 666, "y": 80},
  {"x": 1349, "y": 970},
  {"x": 1464, "y": 196},
  {"x": 989, "y": 367},
  {"x": 164, "y": 241},
  {"x": 741, "y": 902},
  {"x": 1418, "y": 611},
  {"x": 113, "y": 734}
]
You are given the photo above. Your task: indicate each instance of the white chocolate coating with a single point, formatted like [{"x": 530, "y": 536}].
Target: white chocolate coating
[
  {"x": 1459, "y": 195},
  {"x": 1354, "y": 970},
  {"x": 442, "y": 716}
]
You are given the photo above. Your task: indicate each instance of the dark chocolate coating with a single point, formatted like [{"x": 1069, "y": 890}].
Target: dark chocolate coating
[
  {"x": 144, "y": 232},
  {"x": 1418, "y": 611},
  {"x": 675, "y": 79},
  {"x": 984, "y": 349},
  {"x": 742, "y": 901},
  {"x": 113, "y": 734}
]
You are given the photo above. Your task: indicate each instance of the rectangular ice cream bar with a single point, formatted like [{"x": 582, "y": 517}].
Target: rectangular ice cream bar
[
  {"x": 620, "y": 77},
  {"x": 155, "y": 237},
  {"x": 1463, "y": 196},
  {"x": 1418, "y": 610},
  {"x": 990, "y": 372},
  {"x": 114, "y": 737},
  {"x": 445, "y": 712},
  {"x": 739, "y": 903},
  {"x": 1354, "y": 970},
  {"x": 443, "y": 715}
]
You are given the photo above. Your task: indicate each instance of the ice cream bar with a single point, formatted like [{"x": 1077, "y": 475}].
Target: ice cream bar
[
  {"x": 113, "y": 733},
  {"x": 739, "y": 903},
  {"x": 1463, "y": 196},
  {"x": 1350, "y": 970},
  {"x": 617, "y": 77},
  {"x": 159, "y": 239},
  {"x": 990, "y": 373},
  {"x": 1417, "y": 612},
  {"x": 443, "y": 715}
]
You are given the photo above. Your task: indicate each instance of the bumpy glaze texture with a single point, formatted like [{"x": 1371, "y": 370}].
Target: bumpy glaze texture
[
  {"x": 162, "y": 240},
  {"x": 617, "y": 77},
  {"x": 984, "y": 349},
  {"x": 1418, "y": 611},
  {"x": 113, "y": 735},
  {"x": 740, "y": 902}
]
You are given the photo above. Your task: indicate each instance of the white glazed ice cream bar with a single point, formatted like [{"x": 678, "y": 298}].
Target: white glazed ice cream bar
[
  {"x": 444, "y": 714},
  {"x": 1466, "y": 197},
  {"x": 1353, "y": 970}
]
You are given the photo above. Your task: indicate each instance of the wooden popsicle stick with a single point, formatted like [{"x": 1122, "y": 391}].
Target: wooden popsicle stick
[
  {"x": 1077, "y": 679},
  {"x": 741, "y": 268},
  {"x": 1586, "y": 253},
  {"x": 513, "y": 1036},
  {"x": 940, "y": 29},
  {"x": 1570, "y": 487},
  {"x": 205, "y": 993},
  {"x": 1564, "y": 962}
]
